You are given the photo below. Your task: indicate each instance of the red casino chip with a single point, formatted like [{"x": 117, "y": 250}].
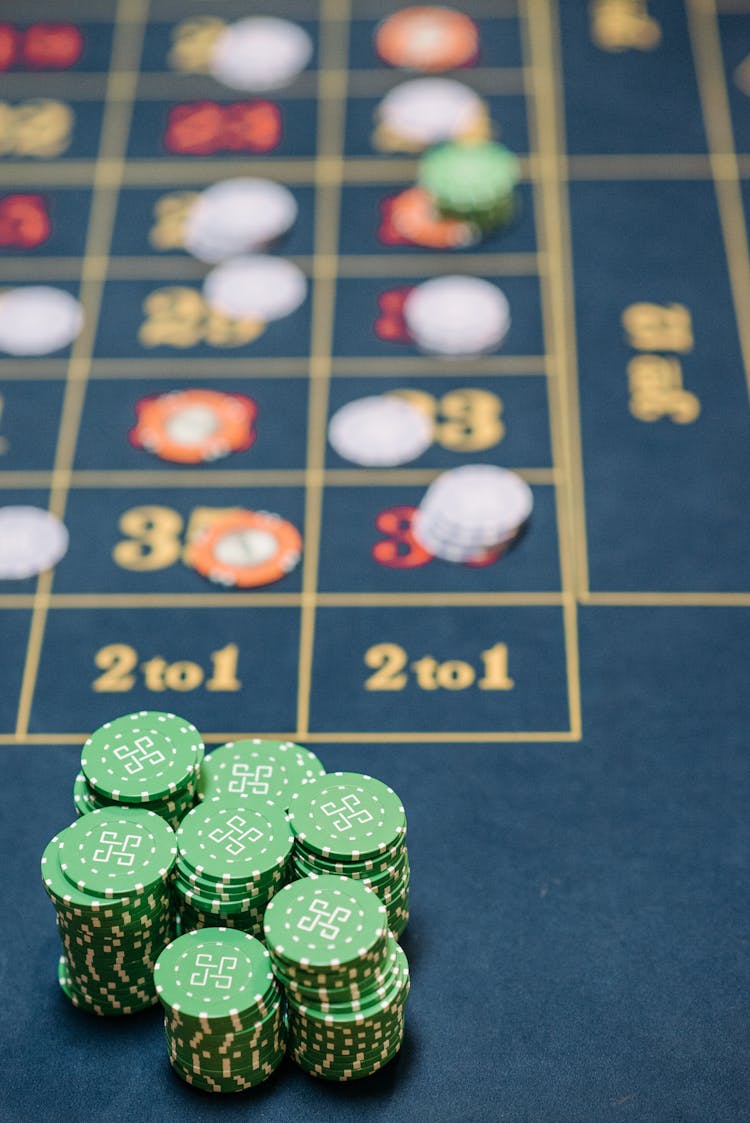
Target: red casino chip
[
  {"x": 427, "y": 38},
  {"x": 194, "y": 426},
  {"x": 246, "y": 549},
  {"x": 411, "y": 218}
]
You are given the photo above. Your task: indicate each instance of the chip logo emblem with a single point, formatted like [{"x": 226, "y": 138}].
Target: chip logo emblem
[
  {"x": 220, "y": 974},
  {"x": 235, "y": 837},
  {"x": 349, "y": 812},
  {"x": 247, "y": 779},
  {"x": 328, "y": 920},
  {"x": 113, "y": 847},
  {"x": 137, "y": 755}
]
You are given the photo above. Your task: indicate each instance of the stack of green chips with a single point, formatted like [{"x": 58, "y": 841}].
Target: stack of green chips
[
  {"x": 350, "y": 824},
  {"x": 268, "y": 770},
  {"x": 232, "y": 858},
  {"x": 146, "y": 759},
  {"x": 346, "y": 979},
  {"x": 108, "y": 878},
  {"x": 472, "y": 182},
  {"x": 224, "y": 1019}
]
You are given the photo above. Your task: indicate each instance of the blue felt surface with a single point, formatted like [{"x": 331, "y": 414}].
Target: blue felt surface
[{"x": 578, "y": 941}]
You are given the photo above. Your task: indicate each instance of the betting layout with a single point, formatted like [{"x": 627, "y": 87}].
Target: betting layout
[{"x": 240, "y": 256}]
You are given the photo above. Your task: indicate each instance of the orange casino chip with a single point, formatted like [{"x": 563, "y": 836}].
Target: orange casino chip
[
  {"x": 193, "y": 426},
  {"x": 427, "y": 38},
  {"x": 246, "y": 549},
  {"x": 413, "y": 217}
]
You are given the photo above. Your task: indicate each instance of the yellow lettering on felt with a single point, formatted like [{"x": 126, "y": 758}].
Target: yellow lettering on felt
[
  {"x": 38, "y": 127},
  {"x": 119, "y": 664},
  {"x": 619, "y": 25},
  {"x": 656, "y": 390},
  {"x": 659, "y": 327},
  {"x": 464, "y": 420},
  {"x": 153, "y": 539},
  {"x": 390, "y": 663},
  {"x": 177, "y": 316},
  {"x": 192, "y": 43},
  {"x": 170, "y": 214}
]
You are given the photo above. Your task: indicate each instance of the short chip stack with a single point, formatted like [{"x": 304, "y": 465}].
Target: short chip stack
[
  {"x": 346, "y": 979},
  {"x": 352, "y": 825},
  {"x": 257, "y": 769},
  {"x": 474, "y": 183},
  {"x": 223, "y": 1010},
  {"x": 470, "y": 510},
  {"x": 457, "y": 315},
  {"x": 148, "y": 759},
  {"x": 232, "y": 858},
  {"x": 108, "y": 877}
]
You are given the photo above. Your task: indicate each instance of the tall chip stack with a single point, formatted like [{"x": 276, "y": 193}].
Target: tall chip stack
[
  {"x": 108, "y": 877},
  {"x": 345, "y": 977},
  {"x": 224, "y": 1020},
  {"x": 349, "y": 824},
  {"x": 146, "y": 759},
  {"x": 232, "y": 858}
]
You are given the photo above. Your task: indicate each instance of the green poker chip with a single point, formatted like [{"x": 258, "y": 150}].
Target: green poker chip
[
  {"x": 234, "y": 841},
  {"x": 354, "y": 826},
  {"x": 324, "y": 922},
  {"x": 213, "y": 975},
  {"x": 348, "y": 816},
  {"x": 256, "y": 769},
  {"x": 232, "y": 859},
  {"x": 471, "y": 181},
  {"x": 117, "y": 852},
  {"x": 142, "y": 757}
]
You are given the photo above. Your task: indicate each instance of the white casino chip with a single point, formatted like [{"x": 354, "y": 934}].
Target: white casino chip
[
  {"x": 38, "y": 319},
  {"x": 457, "y": 315},
  {"x": 380, "y": 431},
  {"x": 257, "y": 287},
  {"x": 260, "y": 53},
  {"x": 471, "y": 509},
  {"x": 234, "y": 216},
  {"x": 430, "y": 110},
  {"x": 31, "y": 540}
]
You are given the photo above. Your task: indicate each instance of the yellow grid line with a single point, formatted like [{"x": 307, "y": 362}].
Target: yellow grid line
[
  {"x": 540, "y": 41},
  {"x": 80, "y": 601},
  {"x": 355, "y": 366},
  {"x": 350, "y": 266},
  {"x": 709, "y": 67},
  {"x": 331, "y": 119},
  {"x": 333, "y": 477},
  {"x": 116, "y": 124},
  {"x": 376, "y": 171},
  {"x": 355, "y": 737}
]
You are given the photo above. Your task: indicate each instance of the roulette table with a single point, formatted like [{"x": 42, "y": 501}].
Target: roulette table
[{"x": 565, "y": 720}]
